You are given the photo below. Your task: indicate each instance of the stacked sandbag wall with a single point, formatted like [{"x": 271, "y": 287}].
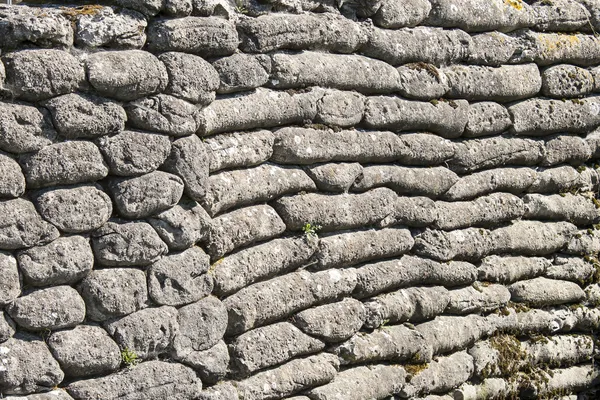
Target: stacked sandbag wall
[{"x": 299, "y": 199}]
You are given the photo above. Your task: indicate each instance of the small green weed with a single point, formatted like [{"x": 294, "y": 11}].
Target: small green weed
[
  {"x": 310, "y": 230},
  {"x": 129, "y": 358}
]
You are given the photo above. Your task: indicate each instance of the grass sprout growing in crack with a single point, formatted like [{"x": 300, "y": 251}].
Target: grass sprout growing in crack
[
  {"x": 129, "y": 358},
  {"x": 310, "y": 230}
]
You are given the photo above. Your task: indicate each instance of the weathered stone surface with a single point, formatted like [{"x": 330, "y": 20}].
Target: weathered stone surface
[
  {"x": 239, "y": 149},
  {"x": 477, "y": 298},
  {"x": 411, "y": 211},
  {"x": 425, "y": 149},
  {"x": 126, "y": 75},
  {"x": 349, "y": 248},
  {"x": 432, "y": 182},
  {"x": 123, "y": 244},
  {"x": 392, "y": 343},
  {"x": 63, "y": 261},
  {"x": 486, "y": 118},
  {"x": 10, "y": 286},
  {"x": 113, "y": 292},
  {"x": 243, "y": 227},
  {"x": 24, "y": 128},
  {"x": 147, "y": 7},
  {"x": 52, "y": 308},
  {"x": 289, "y": 378},
  {"x": 287, "y": 294},
  {"x": 472, "y": 155},
  {"x": 490, "y": 210},
  {"x": 462, "y": 244},
  {"x": 513, "y": 180},
  {"x": 29, "y": 366},
  {"x": 576, "y": 209},
  {"x": 583, "y": 243},
  {"x": 339, "y": 108},
  {"x": 206, "y": 37},
  {"x": 85, "y": 350},
  {"x": 560, "y": 15},
  {"x": 74, "y": 209},
  {"x": 372, "y": 382},
  {"x": 240, "y": 72},
  {"x": 148, "y": 333},
  {"x": 180, "y": 278},
  {"x": 345, "y": 72},
  {"x": 39, "y": 74},
  {"x": 222, "y": 390},
  {"x": 189, "y": 159},
  {"x": 445, "y": 118},
  {"x": 132, "y": 153},
  {"x": 491, "y": 83},
  {"x": 260, "y": 109},
  {"x": 572, "y": 269},
  {"x": 566, "y": 80},
  {"x": 7, "y": 327},
  {"x": 229, "y": 189},
  {"x": 411, "y": 304},
  {"x": 182, "y": 226},
  {"x": 542, "y": 291},
  {"x": 165, "y": 114},
  {"x": 150, "y": 380},
  {"x": 300, "y": 32},
  {"x": 557, "y": 48},
  {"x": 384, "y": 276},
  {"x": 538, "y": 117},
  {"x": 422, "y": 44},
  {"x": 394, "y": 15},
  {"x": 247, "y": 266},
  {"x": 124, "y": 29},
  {"x": 335, "y": 212},
  {"x": 45, "y": 27},
  {"x": 146, "y": 195},
  {"x": 440, "y": 375},
  {"x": 78, "y": 116},
  {"x": 190, "y": 77},
  {"x": 308, "y": 146},
  {"x": 563, "y": 178},
  {"x": 333, "y": 322},
  {"x": 480, "y": 15},
  {"x": 565, "y": 149},
  {"x": 532, "y": 238},
  {"x": 212, "y": 365},
  {"x": 335, "y": 177},
  {"x": 12, "y": 181},
  {"x": 201, "y": 326},
  {"x": 422, "y": 81},
  {"x": 509, "y": 269},
  {"x": 494, "y": 49},
  {"x": 271, "y": 345},
  {"x": 64, "y": 163},
  {"x": 451, "y": 333},
  {"x": 22, "y": 226}
]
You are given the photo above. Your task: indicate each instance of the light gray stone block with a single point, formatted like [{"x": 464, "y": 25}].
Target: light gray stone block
[
  {"x": 74, "y": 209},
  {"x": 248, "y": 309},
  {"x": 78, "y": 116},
  {"x": 63, "y": 261},
  {"x": 114, "y": 292},
  {"x": 39, "y": 74},
  {"x": 51, "y": 308},
  {"x": 126, "y": 75},
  {"x": 19, "y": 213},
  {"x": 243, "y": 227}
]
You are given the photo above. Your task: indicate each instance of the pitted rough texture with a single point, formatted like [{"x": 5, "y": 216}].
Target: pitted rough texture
[{"x": 299, "y": 199}]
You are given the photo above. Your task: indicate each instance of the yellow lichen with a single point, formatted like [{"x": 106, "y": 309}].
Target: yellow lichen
[
  {"x": 516, "y": 4},
  {"x": 90, "y": 9}
]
